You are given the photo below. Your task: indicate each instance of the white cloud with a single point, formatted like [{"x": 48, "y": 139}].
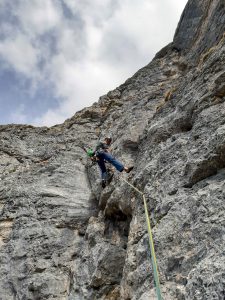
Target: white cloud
[
  {"x": 79, "y": 84},
  {"x": 96, "y": 11},
  {"x": 18, "y": 116},
  {"x": 19, "y": 53},
  {"x": 86, "y": 53},
  {"x": 70, "y": 43},
  {"x": 38, "y": 16},
  {"x": 145, "y": 25},
  {"x": 49, "y": 118},
  {"x": 2, "y": 3}
]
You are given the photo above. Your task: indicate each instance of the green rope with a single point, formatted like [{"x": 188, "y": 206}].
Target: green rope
[
  {"x": 151, "y": 243},
  {"x": 152, "y": 248}
]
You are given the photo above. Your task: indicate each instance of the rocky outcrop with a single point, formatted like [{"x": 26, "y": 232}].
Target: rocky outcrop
[{"x": 63, "y": 237}]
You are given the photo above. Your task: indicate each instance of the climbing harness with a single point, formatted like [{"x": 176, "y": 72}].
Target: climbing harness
[
  {"x": 151, "y": 243},
  {"x": 90, "y": 152}
]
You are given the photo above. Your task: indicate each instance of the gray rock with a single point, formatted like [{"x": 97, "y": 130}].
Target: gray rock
[{"x": 63, "y": 237}]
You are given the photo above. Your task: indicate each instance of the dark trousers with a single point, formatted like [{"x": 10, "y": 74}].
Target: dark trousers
[{"x": 102, "y": 156}]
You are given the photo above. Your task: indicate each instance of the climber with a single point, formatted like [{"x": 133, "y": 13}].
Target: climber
[{"x": 102, "y": 154}]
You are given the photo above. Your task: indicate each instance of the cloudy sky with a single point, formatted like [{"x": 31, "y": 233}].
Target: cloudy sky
[{"x": 58, "y": 56}]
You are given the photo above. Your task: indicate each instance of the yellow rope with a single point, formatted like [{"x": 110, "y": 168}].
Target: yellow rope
[{"x": 151, "y": 243}]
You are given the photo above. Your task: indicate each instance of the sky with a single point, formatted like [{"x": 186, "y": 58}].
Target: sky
[{"x": 59, "y": 56}]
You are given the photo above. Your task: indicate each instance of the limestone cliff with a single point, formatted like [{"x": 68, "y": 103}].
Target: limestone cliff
[{"x": 63, "y": 237}]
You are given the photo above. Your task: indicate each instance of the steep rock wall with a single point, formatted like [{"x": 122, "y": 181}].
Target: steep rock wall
[{"x": 63, "y": 237}]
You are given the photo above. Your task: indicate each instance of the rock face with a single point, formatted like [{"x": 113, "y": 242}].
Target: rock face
[{"x": 63, "y": 237}]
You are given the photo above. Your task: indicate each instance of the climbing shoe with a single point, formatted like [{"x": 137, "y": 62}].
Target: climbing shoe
[
  {"x": 103, "y": 183},
  {"x": 129, "y": 169}
]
